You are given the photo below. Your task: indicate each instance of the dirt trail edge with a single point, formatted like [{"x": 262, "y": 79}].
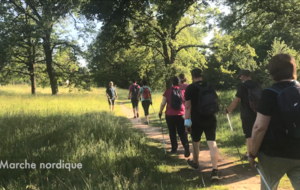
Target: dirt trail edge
[{"x": 233, "y": 175}]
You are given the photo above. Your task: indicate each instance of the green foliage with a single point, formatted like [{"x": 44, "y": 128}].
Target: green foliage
[
  {"x": 226, "y": 60},
  {"x": 170, "y": 28},
  {"x": 278, "y": 46}
]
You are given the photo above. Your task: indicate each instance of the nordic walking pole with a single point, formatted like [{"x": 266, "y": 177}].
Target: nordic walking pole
[
  {"x": 162, "y": 132},
  {"x": 197, "y": 161},
  {"x": 234, "y": 138},
  {"x": 262, "y": 177}
]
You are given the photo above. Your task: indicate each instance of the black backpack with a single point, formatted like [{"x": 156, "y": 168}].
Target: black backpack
[
  {"x": 289, "y": 105},
  {"x": 207, "y": 100},
  {"x": 176, "y": 99},
  {"x": 254, "y": 95},
  {"x": 135, "y": 92}
]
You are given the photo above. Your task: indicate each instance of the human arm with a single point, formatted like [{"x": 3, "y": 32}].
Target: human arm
[
  {"x": 258, "y": 132},
  {"x": 187, "y": 121},
  {"x": 233, "y": 105},
  {"x": 129, "y": 94},
  {"x": 107, "y": 94},
  {"x": 116, "y": 94},
  {"x": 162, "y": 106}
]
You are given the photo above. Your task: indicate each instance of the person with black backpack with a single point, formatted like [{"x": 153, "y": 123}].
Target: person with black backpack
[
  {"x": 134, "y": 96},
  {"x": 248, "y": 93},
  {"x": 276, "y": 132},
  {"x": 201, "y": 106},
  {"x": 145, "y": 93},
  {"x": 174, "y": 98}
]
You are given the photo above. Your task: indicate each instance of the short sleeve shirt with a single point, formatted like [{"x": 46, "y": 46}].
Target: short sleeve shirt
[
  {"x": 276, "y": 143},
  {"x": 191, "y": 94},
  {"x": 111, "y": 91},
  {"x": 183, "y": 86},
  {"x": 242, "y": 93},
  {"x": 170, "y": 110},
  {"x": 131, "y": 88},
  {"x": 141, "y": 91}
]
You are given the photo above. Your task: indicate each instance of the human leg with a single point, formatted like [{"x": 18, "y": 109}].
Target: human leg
[
  {"x": 172, "y": 132},
  {"x": 133, "y": 102},
  {"x": 146, "y": 105},
  {"x": 137, "y": 109},
  {"x": 247, "y": 125},
  {"x": 179, "y": 121},
  {"x": 273, "y": 169},
  {"x": 210, "y": 134},
  {"x": 110, "y": 105},
  {"x": 294, "y": 175},
  {"x": 113, "y": 105},
  {"x": 196, "y": 134}
]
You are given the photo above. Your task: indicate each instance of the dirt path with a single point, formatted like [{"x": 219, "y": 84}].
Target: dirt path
[{"x": 233, "y": 175}]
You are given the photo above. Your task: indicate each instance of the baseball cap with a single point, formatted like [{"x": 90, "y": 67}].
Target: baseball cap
[{"x": 244, "y": 72}]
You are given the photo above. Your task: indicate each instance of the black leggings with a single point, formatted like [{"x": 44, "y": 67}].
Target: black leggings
[
  {"x": 146, "y": 105},
  {"x": 176, "y": 123}
]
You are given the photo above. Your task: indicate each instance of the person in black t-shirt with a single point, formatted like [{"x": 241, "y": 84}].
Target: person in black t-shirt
[
  {"x": 278, "y": 152},
  {"x": 248, "y": 116},
  {"x": 196, "y": 124}
]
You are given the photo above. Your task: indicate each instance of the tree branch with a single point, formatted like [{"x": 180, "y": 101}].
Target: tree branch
[
  {"x": 148, "y": 45},
  {"x": 34, "y": 10},
  {"x": 20, "y": 9},
  {"x": 188, "y": 46},
  {"x": 188, "y": 25}
]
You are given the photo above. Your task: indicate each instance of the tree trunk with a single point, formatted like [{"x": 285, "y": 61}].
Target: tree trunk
[
  {"x": 32, "y": 79},
  {"x": 50, "y": 69}
]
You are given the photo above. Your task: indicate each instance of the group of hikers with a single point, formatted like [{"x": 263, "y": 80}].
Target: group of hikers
[{"x": 270, "y": 119}]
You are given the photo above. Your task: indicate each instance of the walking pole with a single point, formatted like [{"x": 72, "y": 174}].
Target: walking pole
[
  {"x": 197, "y": 161},
  {"x": 262, "y": 177},
  {"x": 234, "y": 137},
  {"x": 162, "y": 132}
]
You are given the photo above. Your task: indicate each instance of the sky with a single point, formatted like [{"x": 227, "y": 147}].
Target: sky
[{"x": 87, "y": 40}]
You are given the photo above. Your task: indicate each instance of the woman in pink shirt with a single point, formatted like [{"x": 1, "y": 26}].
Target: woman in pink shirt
[
  {"x": 174, "y": 98},
  {"x": 183, "y": 85}
]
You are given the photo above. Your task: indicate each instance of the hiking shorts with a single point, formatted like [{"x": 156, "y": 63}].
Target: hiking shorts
[
  {"x": 208, "y": 127},
  {"x": 134, "y": 102},
  {"x": 247, "y": 124},
  {"x": 274, "y": 168},
  {"x": 111, "y": 102}
]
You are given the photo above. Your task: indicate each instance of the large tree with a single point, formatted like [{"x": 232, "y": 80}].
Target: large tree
[
  {"x": 45, "y": 14},
  {"x": 157, "y": 24}
]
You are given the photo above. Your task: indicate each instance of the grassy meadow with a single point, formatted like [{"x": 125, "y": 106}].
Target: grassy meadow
[{"x": 76, "y": 128}]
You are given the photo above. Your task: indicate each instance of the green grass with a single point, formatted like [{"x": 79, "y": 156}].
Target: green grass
[{"x": 76, "y": 127}]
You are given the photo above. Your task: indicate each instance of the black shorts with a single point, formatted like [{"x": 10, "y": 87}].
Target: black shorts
[
  {"x": 207, "y": 126},
  {"x": 247, "y": 124},
  {"x": 134, "y": 102},
  {"x": 111, "y": 102}
]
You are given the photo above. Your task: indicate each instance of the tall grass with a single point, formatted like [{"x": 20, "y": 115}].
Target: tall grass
[{"x": 76, "y": 128}]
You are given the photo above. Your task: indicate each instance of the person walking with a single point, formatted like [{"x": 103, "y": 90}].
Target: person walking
[
  {"x": 145, "y": 93},
  {"x": 248, "y": 114},
  {"x": 174, "y": 98},
  {"x": 134, "y": 96},
  {"x": 276, "y": 132},
  {"x": 112, "y": 95},
  {"x": 183, "y": 85},
  {"x": 198, "y": 119}
]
